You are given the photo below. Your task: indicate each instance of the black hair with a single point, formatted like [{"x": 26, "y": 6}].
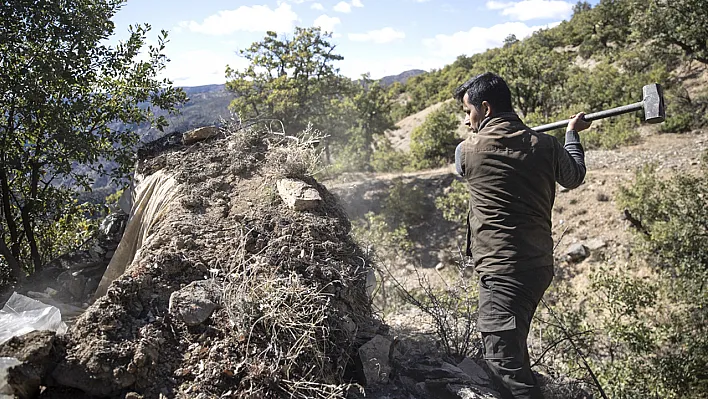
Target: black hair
[{"x": 486, "y": 87}]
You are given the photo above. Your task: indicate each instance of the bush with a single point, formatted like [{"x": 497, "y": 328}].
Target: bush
[
  {"x": 612, "y": 133},
  {"x": 454, "y": 203},
  {"x": 648, "y": 337},
  {"x": 433, "y": 143},
  {"x": 387, "y": 159}
]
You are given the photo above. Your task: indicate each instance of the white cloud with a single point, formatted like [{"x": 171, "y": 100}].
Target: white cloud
[
  {"x": 343, "y": 6},
  {"x": 379, "y": 36},
  {"x": 357, "y": 3},
  {"x": 200, "y": 67},
  {"x": 477, "y": 40},
  {"x": 327, "y": 23},
  {"x": 533, "y": 9},
  {"x": 317, "y": 6},
  {"x": 250, "y": 19}
]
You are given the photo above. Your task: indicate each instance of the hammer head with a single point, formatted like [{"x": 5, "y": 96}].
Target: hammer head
[{"x": 654, "y": 111}]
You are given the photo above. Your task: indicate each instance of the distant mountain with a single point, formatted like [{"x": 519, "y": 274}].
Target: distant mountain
[
  {"x": 401, "y": 77},
  {"x": 206, "y": 106},
  {"x": 208, "y": 103}
]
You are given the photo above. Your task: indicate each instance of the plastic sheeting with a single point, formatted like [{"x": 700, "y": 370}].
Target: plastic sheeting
[
  {"x": 22, "y": 314},
  {"x": 151, "y": 199}
]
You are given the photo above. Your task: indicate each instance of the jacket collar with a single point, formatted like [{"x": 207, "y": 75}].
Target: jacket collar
[{"x": 500, "y": 117}]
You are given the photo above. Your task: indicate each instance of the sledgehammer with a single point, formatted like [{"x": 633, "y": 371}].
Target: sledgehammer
[{"x": 652, "y": 104}]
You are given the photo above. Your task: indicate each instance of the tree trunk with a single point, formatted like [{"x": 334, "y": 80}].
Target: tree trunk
[
  {"x": 29, "y": 233},
  {"x": 27, "y": 219},
  {"x": 16, "y": 271},
  {"x": 7, "y": 212}
]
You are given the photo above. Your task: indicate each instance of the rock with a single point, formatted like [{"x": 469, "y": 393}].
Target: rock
[
  {"x": 595, "y": 244},
  {"x": 577, "y": 252},
  {"x": 474, "y": 371},
  {"x": 194, "y": 303},
  {"x": 602, "y": 197},
  {"x": 374, "y": 360},
  {"x": 29, "y": 358},
  {"x": 298, "y": 195},
  {"x": 73, "y": 283},
  {"x": 439, "y": 266},
  {"x": 454, "y": 372},
  {"x": 472, "y": 392},
  {"x": 199, "y": 134}
]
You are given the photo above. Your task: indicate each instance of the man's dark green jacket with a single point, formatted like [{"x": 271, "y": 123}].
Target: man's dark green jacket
[{"x": 511, "y": 173}]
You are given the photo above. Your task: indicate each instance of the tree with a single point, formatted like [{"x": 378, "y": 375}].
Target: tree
[
  {"x": 675, "y": 23},
  {"x": 292, "y": 80},
  {"x": 535, "y": 74},
  {"x": 364, "y": 116},
  {"x": 60, "y": 91},
  {"x": 433, "y": 143}
]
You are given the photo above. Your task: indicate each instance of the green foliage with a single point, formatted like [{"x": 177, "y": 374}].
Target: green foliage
[
  {"x": 377, "y": 235},
  {"x": 433, "y": 143},
  {"x": 364, "y": 117},
  {"x": 454, "y": 203},
  {"x": 386, "y": 158},
  {"x": 402, "y": 208},
  {"x": 674, "y": 213},
  {"x": 649, "y": 337},
  {"x": 404, "y": 204},
  {"x": 534, "y": 72},
  {"x": 612, "y": 133},
  {"x": 63, "y": 91},
  {"x": 682, "y": 25},
  {"x": 291, "y": 80}
]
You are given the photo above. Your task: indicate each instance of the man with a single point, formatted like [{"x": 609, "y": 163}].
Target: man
[{"x": 511, "y": 172}]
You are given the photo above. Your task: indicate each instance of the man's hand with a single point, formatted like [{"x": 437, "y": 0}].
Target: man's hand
[{"x": 577, "y": 122}]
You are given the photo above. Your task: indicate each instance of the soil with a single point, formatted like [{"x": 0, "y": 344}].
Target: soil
[{"x": 291, "y": 284}]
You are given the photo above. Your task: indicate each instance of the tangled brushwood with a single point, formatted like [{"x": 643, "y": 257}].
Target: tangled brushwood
[{"x": 287, "y": 287}]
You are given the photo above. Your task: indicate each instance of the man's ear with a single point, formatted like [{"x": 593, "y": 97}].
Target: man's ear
[{"x": 487, "y": 109}]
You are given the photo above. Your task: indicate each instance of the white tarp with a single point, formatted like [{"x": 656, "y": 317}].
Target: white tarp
[{"x": 151, "y": 199}]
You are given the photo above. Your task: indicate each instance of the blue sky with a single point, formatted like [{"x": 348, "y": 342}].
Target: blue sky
[{"x": 382, "y": 37}]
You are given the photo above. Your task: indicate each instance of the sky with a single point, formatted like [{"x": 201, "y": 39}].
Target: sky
[{"x": 381, "y": 37}]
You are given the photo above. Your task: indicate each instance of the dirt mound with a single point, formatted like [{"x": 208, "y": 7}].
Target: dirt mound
[{"x": 232, "y": 293}]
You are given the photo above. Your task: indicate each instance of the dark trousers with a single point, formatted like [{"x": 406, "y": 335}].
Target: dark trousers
[{"x": 506, "y": 306}]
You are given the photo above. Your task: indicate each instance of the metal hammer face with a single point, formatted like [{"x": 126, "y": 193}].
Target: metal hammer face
[{"x": 654, "y": 111}]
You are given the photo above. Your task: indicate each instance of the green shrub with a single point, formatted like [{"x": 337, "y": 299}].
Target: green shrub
[
  {"x": 644, "y": 323},
  {"x": 387, "y": 159},
  {"x": 454, "y": 203},
  {"x": 612, "y": 133},
  {"x": 677, "y": 123},
  {"x": 433, "y": 143}
]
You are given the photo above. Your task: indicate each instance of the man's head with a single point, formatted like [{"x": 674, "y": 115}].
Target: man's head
[{"x": 483, "y": 96}]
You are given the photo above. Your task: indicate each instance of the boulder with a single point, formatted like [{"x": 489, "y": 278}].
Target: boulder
[
  {"x": 374, "y": 359},
  {"x": 298, "y": 195},
  {"x": 24, "y": 363}
]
